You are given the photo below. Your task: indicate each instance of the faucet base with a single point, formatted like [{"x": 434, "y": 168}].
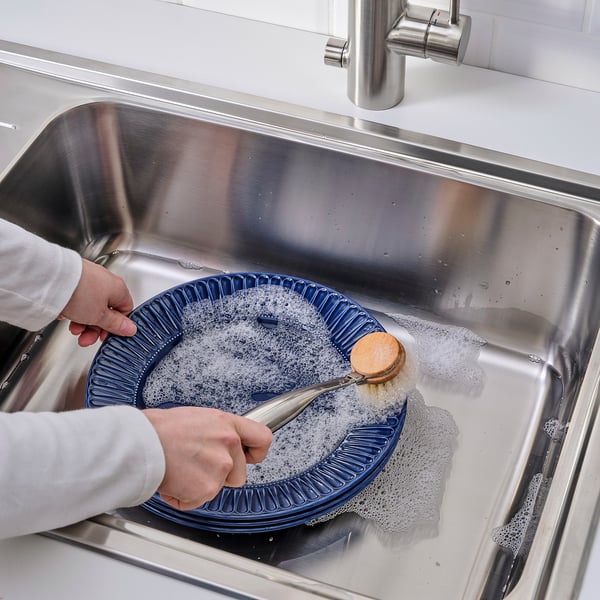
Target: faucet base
[
  {"x": 375, "y": 72},
  {"x": 381, "y": 33}
]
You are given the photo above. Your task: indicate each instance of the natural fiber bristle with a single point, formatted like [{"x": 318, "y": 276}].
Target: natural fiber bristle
[{"x": 391, "y": 373}]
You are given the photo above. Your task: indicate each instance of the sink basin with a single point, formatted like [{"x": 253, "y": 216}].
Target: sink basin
[{"x": 163, "y": 191}]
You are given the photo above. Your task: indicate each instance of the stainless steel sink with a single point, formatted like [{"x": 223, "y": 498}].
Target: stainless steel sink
[{"x": 165, "y": 182}]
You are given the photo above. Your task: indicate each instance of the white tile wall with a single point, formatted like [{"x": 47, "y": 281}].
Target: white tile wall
[
  {"x": 594, "y": 26},
  {"x": 565, "y": 14},
  {"x": 479, "y": 50},
  {"x": 311, "y": 15},
  {"x": 553, "y": 40},
  {"x": 547, "y": 53}
]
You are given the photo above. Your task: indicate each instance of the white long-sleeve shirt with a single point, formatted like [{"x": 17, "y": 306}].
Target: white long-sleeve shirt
[{"x": 59, "y": 468}]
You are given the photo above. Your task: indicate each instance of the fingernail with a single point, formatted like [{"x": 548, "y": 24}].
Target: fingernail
[{"x": 128, "y": 327}]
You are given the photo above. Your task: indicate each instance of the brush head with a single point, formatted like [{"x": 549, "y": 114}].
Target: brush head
[
  {"x": 390, "y": 374},
  {"x": 378, "y": 356}
]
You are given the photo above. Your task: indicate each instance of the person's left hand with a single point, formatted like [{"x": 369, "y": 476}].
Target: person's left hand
[{"x": 99, "y": 306}]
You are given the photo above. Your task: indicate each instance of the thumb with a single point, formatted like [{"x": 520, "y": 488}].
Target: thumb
[{"x": 115, "y": 322}]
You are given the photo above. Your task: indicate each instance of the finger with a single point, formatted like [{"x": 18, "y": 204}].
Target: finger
[
  {"x": 256, "y": 439},
  {"x": 121, "y": 299},
  {"x": 76, "y": 328},
  {"x": 180, "y": 504},
  {"x": 89, "y": 336},
  {"x": 171, "y": 501},
  {"x": 115, "y": 322},
  {"x": 237, "y": 475}
]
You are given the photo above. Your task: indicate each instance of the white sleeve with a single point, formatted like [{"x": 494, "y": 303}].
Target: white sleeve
[
  {"x": 37, "y": 278},
  {"x": 59, "y": 468}
]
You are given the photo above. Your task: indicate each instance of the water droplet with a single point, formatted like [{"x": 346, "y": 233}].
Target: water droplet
[
  {"x": 485, "y": 285},
  {"x": 534, "y": 358},
  {"x": 507, "y": 282}
]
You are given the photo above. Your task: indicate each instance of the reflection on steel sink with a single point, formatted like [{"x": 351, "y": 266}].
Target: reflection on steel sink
[{"x": 162, "y": 193}]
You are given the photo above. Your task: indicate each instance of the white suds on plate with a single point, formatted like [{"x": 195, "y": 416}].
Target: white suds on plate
[
  {"x": 267, "y": 340},
  {"x": 263, "y": 341}
]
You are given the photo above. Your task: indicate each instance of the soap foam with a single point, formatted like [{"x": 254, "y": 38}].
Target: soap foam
[
  {"x": 264, "y": 340},
  {"x": 554, "y": 429},
  {"x": 226, "y": 355},
  {"x": 406, "y": 495},
  {"x": 516, "y": 536},
  {"x": 446, "y": 354}
]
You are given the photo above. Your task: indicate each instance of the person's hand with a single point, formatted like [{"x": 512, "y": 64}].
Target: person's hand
[
  {"x": 205, "y": 449},
  {"x": 98, "y": 306}
]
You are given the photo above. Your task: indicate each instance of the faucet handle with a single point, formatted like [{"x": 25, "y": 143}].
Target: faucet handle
[
  {"x": 425, "y": 32},
  {"x": 336, "y": 52},
  {"x": 447, "y": 40},
  {"x": 381, "y": 33}
]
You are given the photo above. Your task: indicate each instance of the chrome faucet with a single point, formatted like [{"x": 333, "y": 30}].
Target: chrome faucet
[{"x": 381, "y": 33}]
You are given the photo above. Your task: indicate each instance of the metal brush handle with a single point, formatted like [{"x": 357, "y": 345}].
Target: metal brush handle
[{"x": 280, "y": 410}]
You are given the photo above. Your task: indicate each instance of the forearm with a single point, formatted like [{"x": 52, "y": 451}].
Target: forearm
[
  {"x": 59, "y": 468},
  {"x": 37, "y": 278}
]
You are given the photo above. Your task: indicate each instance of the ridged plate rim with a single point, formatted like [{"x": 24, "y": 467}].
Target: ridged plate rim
[{"x": 121, "y": 365}]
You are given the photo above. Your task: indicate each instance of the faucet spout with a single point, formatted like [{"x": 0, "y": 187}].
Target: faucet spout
[
  {"x": 381, "y": 33},
  {"x": 375, "y": 75},
  {"x": 454, "y": 12}
]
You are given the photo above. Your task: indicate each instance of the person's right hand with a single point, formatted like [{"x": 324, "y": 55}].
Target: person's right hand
[{"x": 205, "y": 449}]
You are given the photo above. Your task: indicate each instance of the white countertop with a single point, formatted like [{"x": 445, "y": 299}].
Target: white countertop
[{"x": 532, "y": 119}]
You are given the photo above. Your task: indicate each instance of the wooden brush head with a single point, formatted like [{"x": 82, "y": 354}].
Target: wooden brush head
[{"x": 378, "y": 356}]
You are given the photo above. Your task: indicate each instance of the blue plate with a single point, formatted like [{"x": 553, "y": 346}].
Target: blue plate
[
  {"x": 121, "y": 366},
  {"x": 281, "y": 521}
]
